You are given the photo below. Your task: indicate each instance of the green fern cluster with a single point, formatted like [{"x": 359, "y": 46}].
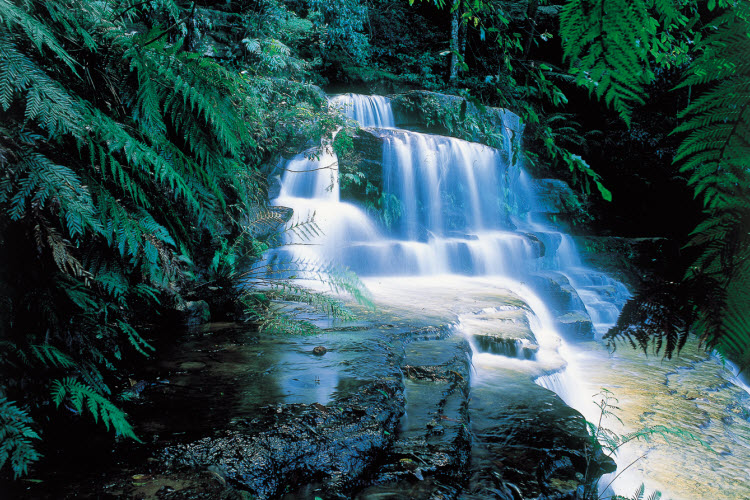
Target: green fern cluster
[
  {"x": 83, "y": 397},
  {"x": 612, "y": 45},
  {"x": 16, "y": 434},
  {"x": 715, "y": 153},
  {"x": 611, "y": 38},
  {"x": 128, "y": 176}
]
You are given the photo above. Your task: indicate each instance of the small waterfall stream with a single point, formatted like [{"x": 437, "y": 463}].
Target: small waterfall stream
[{"x": 465, "y": 211}]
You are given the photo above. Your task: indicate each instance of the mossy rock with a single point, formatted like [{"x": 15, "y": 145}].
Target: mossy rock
[
  {"x": 365, "y": 162},
  {"x": 454, "y": 116},
  {"x": 576, "y": 324}
]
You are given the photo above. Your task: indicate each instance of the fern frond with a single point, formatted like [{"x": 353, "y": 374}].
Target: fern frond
[
  {"x": 51, "y": 355},
  {"x": 16, "y": 437},
  {"x": 37, "y": 31},
  {"x": 135, "y": 339},
  {"x": 607, "y": 42},
  {"x": 82, "y": 397}
]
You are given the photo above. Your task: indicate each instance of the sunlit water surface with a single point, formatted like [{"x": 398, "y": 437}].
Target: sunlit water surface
[{"x": 693, "y": 392}]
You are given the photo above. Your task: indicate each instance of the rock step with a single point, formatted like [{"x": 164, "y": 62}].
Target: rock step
[{"x": 430, "y": 454}]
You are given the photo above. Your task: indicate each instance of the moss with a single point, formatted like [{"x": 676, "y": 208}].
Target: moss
[{"x": 455, "y": 116}]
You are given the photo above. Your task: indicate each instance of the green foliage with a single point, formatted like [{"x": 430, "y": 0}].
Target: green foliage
[
  {"x": 458, "y": 117},
  {"x": 611, "y": 45},
  {"x": 16, "y": 434},
  {"x": 609, "y": 42},
  {"x": 281, "y": 310},
  {"x": 358, "y": 181},
  {"x": 501, "y": 39},
  {"x": 639, "y": 494},
  {"x": 712, "y": 298},
  {"x": 82, "y": 398},
  {"x": 559, "y": 133},
  {"x": 342, "y": 24},
  {"x": 129, "y": 163}
]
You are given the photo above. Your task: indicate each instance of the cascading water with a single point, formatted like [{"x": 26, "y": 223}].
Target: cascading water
[
  {"x": 369, "y": 111},
  {"x": 467, "y": 210}
]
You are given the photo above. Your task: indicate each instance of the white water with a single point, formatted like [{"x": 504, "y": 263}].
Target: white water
[{"x": 466, "y": 210}]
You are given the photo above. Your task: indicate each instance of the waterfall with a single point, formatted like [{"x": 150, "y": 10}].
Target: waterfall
[
  {"x": 367, "y": 110},
  {"x": 464, "y": 211},
  {"x": 463, "y": 208}
]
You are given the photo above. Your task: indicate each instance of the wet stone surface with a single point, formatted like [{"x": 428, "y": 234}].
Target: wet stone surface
[
  {"x": 388, "y": 412},
  {"x": 415, "y": 425},
  {"x": 332, "y": 445},
  {"x": 504, "y": 331},
  {"x": 433, "y": 443},
  {"x": 526, "y": 443},
  {"x": 571, "y": 317}
]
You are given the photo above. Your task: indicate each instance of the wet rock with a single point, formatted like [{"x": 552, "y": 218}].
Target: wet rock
[
  {"x": 192, "y": 365},
  {"x": 576, "y": 324},
  {"x": 555, "y": 196},
  {"x": 135, "y": 389},
  {"x": 420, "y": 110},
  {"x": 368, "y": 160},
  {"x": 527, "y": 443},
  {"x": 274, "y": 186},
  {"x": 218, "y": 473},
  {"x": 302, "y": 444},
  {"x": 540, "y": 249},
  {"x": 319, "y": 350},
  {"x": 418, "y": 431},
  {"x": 194, "y": 312},
  {"x": 434, "y": 441},
  {"x": 560, "y": 296},
  {"x": 503, "y": 331}
]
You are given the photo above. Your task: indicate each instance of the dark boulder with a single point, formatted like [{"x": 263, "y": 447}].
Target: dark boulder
[{"x": 334, "y": 445}]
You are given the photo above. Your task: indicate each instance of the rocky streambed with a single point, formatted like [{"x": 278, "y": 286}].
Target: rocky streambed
[
  {"x": 386, "y": 412},
  {"x": 392, "y": 407}
]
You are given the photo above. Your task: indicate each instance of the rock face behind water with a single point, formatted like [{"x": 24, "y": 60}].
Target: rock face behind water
[{"x": 448, "y": 115}]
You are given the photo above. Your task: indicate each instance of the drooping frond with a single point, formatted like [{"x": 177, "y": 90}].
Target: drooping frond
[
  {"x": 81, "y": 398},
  {"x": 653, "y": 316},
  {"x": 716, "y": 155},
  {"x": 129, "y": 177},
  {"x": 36, "y": 31},
  {"x": 607, "y": 43},
  {"x": 716, "y": 150},
  {"x": 46, "y": 101}
]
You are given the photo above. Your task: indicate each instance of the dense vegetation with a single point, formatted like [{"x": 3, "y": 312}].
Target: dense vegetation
[
  {"x": 130, "y": 170},
  {"x": 135, "y": 138}
]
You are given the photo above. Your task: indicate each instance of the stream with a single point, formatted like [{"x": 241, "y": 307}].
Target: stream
[{"x": 473, "y": 247}]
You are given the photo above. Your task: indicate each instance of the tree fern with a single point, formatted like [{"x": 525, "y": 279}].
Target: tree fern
[
  {"x": 609, "y": 42},
  {"x": 612, "y": 45},
  {"x": 716, "y": 154}
]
